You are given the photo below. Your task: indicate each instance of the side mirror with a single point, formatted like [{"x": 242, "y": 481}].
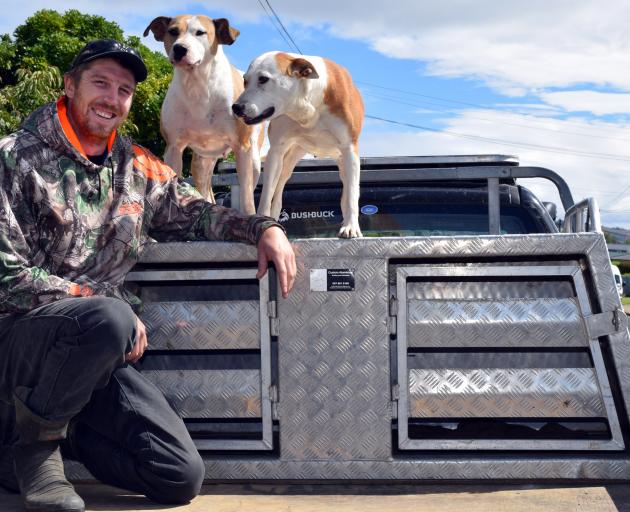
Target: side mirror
[{"x": 551, "y": 208}]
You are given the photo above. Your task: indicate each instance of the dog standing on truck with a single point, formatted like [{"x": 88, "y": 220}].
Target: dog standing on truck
[
  {"x": 313, "y": 107},
  {"x": 196, "y": 112}
]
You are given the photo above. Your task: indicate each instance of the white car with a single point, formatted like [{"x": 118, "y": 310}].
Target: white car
[{"x": 618, "y": 279}]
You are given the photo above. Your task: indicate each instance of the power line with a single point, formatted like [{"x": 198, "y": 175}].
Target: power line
[
  {"x": 620, "y": 195},
  {"x": 283, "y": 27},
  {"x": 413, "y": 93},
  {"x": 525, "y": 145},
  {"x": 469, "y": 104},
  {"x": 508, "y": 123},
  {"x": 274, "y": 23}
]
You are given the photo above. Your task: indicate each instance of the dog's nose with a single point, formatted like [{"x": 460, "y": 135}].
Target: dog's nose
[
  {"x": 238, "y": 109},
  {"x": 179, "y": 51}
]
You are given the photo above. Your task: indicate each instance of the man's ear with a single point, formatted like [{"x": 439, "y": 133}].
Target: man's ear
[
  {"x": 301, "y": 68},
  {"x": 68, "y": 86},
  {"x": 158, "y": 26},
  {"x": 225, "y": 33}
]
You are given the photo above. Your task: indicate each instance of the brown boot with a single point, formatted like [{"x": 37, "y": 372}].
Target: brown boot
[{"x": 39, "y": 466}]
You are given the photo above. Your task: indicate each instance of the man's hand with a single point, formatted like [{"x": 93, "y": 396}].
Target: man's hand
[
  {"x": 273, "y": 246},
  {"x": 140, "y": 345}
]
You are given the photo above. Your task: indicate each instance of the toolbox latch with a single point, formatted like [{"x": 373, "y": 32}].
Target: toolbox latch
[{"x": 605, "y": 324}]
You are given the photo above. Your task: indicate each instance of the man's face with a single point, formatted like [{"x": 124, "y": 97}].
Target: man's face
[{"x": 100, "y": 101}]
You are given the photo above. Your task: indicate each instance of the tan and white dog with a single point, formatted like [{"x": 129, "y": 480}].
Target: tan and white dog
[
  {"x": 314, "y": 107},
  {"x": 197, "y": 112}
]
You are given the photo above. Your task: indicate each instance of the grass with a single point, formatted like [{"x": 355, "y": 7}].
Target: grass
[{"x": 625, "y": 300}]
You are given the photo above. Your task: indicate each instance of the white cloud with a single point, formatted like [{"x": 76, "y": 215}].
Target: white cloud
[
  {"x": 599, "y": 103},
  {"x": 512, "y": 46}
]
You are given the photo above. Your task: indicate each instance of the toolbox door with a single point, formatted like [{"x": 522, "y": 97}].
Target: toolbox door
[{"x": 210, "y": 351}]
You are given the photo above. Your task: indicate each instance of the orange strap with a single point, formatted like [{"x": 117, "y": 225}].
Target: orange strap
[{"x": 152, "y": 167}]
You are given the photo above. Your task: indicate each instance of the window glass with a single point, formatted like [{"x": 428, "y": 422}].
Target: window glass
[{"x": 315, "y": 214}]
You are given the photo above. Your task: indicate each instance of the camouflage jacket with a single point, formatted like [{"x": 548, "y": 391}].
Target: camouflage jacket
[{"x": 69, "y": 227}]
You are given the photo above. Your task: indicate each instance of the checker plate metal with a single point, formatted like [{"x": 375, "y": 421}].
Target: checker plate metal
[
  {"x": 202, "y": 325},
  {"x": 495, "y": 323},
  {"x": 525, "y": 393},
  {"x": 210, "y": 393}
]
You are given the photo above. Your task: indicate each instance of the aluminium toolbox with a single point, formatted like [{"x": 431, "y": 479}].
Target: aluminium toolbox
[{"x": 486, "y": 357}]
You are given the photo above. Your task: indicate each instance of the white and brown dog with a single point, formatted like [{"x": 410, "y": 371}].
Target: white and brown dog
[
  {"x": 197, "y": 112},
  {"x": 314, "y": 107}
]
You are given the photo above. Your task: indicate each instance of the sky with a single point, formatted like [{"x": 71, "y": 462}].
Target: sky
[{"x": 548, "y": 82}]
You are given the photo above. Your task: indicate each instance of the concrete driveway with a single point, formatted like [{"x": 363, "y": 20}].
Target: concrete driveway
[{"x": 361, "y": 498}]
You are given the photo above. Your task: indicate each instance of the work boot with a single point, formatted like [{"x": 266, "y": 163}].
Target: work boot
[
  {"x": 8, "y": 480},
  {"x": 39, "y": 466}
]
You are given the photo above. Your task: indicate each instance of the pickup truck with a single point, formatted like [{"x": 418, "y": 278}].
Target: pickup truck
[{"x": 465, "y": 337}]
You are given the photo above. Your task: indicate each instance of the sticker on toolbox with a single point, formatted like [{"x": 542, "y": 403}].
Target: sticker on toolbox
[{"x": 332, "y": 280}]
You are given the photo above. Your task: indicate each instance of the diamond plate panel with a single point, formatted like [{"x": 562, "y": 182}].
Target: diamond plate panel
[
  {"x": 453, "y": 468},
  {"x": 512, "y": 393},
  {"x": 599, "y": 267},
  {"x": 493, "y": 323},
  {"x": 557, "y": 244},
  {"x": 334, "y": 366},
  {"x": 435, "y": 247},
  {"x": 608, "y": 298},
  {"x": 202, "y": 325},
  {"x": 210, "y": 393},
  {"x": 484, "y": 290},
  {"x": 192, "y": 252}
]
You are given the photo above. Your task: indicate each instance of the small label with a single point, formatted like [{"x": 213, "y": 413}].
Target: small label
[
  {"x": 340, "y": 280},
  {"x": 369, "y": 209},
  {"x": 332, "y": 280}
]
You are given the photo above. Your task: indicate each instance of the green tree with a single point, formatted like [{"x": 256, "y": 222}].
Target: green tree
[
  {"x": 31, "y": 90},
  {"x": 609, "y": 237},
  {"x": 32, "y": 63}
]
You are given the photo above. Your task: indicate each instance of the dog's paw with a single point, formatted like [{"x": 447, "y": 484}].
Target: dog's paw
[{"x": 350, "y": 231}]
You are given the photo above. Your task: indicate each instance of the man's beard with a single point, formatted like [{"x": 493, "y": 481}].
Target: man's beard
[{"x": 89, "y": 126}]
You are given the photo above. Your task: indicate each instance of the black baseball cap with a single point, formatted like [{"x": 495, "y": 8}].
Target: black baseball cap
[{"x": 112, "y": 49}]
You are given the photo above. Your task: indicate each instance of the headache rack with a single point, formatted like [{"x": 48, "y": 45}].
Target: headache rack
[{"x": 489, "y": 169}]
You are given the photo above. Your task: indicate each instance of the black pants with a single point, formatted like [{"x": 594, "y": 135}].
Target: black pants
[{"x": 66, "y": 360}]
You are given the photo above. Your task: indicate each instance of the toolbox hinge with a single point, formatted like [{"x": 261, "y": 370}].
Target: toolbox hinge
[
  {"x": 393, "y": 312},
  {"x": 395, "y": 396},
  {"x": 272, "y": 312}
]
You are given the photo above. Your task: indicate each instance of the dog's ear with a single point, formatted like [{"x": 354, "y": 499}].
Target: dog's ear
[
  {"x": 158, "y": 26},
  {"x": 225, "y": 33},
  {"x": 301, "y": 68}
]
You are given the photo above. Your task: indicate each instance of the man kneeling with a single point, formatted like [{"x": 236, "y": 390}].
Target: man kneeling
[{"x": 77, "y": 202}]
